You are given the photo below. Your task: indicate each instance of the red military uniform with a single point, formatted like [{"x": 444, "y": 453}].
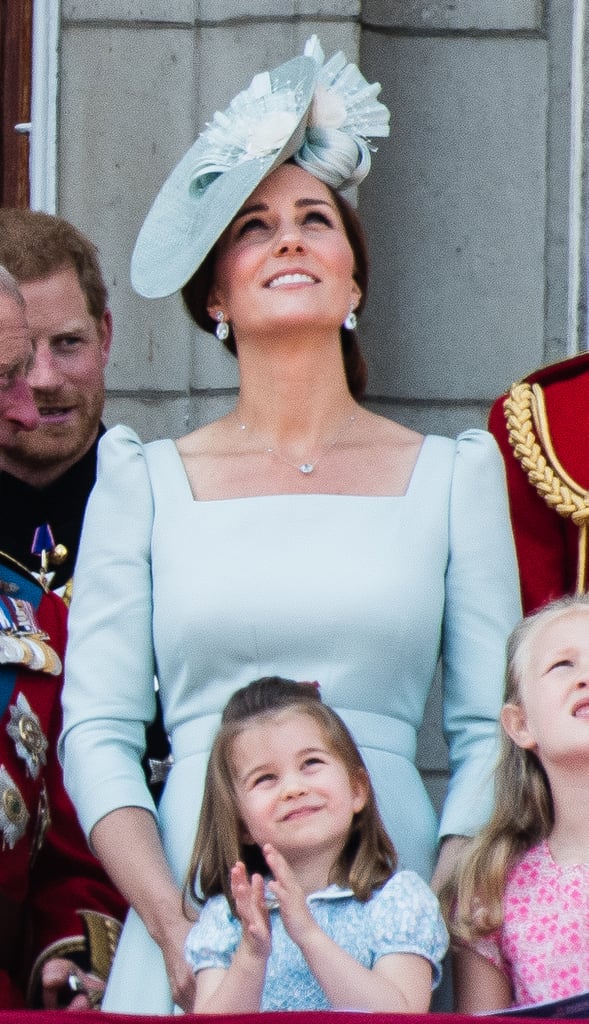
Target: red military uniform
[
  {"x": 541, "y": 429},
  {"x": 47, "y": 874}
]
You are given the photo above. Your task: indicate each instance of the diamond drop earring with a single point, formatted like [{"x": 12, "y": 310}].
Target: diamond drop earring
[
  {"x": 222, "y": 328},
  {"x": 351, "y": 321}
]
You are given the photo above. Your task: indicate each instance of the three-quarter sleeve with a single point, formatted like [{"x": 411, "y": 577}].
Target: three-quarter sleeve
[
  {"x": 109, "y": 688},
  {"x": 482, "y": 607}
]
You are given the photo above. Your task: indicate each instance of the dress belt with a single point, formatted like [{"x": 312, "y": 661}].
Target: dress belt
[
  {"x": 375, "y": 732},
  {"x": 194, "y": 737}
]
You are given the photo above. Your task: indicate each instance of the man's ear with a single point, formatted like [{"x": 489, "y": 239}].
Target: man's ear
[{"x": 515, "y": 723}]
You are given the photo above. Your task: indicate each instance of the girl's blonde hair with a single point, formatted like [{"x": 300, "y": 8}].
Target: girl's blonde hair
[
  {"x": 523, "y": 812},
  {"x": 368, "y": 858}
]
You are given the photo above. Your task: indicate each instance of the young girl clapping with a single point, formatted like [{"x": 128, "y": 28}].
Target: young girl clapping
[
  {"x": 519, "y": 917},
  {"x": 302, "y": 906}
]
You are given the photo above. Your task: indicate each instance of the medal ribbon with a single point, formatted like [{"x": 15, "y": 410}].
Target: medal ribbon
[{"x": 28, "y": 590}]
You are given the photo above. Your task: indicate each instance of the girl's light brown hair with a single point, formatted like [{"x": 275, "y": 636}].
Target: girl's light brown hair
[
  {"x": 368, "y": 858},
  {"x": 523, "y": 812}
]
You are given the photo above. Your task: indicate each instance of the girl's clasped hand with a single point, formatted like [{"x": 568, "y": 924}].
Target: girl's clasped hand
[
  {"x": 252, "y": 910},
  {"x": 251, "y": 904}
]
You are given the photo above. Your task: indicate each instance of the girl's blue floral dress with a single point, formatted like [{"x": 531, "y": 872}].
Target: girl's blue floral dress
[{"x": 401, "y": 917}]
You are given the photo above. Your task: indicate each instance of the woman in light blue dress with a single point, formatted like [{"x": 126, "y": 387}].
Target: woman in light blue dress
[{"x": 300, "y": 535}]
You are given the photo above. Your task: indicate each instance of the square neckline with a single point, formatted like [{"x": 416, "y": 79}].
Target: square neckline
[{"x": 412, "y": 482}]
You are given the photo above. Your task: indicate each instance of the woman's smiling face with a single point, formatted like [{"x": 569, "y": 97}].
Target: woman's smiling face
[{"x": 285, "y": 259}]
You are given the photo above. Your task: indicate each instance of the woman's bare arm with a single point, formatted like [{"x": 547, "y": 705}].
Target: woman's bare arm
[{"x": 128, "y": 844}]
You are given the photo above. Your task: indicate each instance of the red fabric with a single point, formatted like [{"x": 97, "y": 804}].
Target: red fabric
[
  {"x": 42, "y": 901},
  {"x": 293, "y": 1017},
  {"x": 10, "y": 994},
  {"x": 545, "y": 541}
]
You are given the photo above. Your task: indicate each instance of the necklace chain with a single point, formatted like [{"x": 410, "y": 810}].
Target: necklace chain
[{"x": 307, "y": 466}]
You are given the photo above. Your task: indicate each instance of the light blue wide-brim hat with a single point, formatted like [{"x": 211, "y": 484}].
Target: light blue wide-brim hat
[{"x": 265, "y": 125}]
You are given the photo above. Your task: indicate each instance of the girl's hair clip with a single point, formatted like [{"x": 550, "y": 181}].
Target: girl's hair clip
[{"x": 310, "y": 682}]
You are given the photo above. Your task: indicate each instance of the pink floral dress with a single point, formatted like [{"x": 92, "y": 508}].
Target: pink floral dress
[{"x": 543, "y": 944}]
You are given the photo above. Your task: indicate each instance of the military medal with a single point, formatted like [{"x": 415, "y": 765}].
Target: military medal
[
  {"x": 14, "y": 816},
  {"x": 12, "y": 651},
  {"x": 20, "y": 615},
  {"x": 29, "y": 740},
  {"x": 22, "y": 641},
  {"x": 5, "y": 620},
  {"x": 49, "y": 553}
]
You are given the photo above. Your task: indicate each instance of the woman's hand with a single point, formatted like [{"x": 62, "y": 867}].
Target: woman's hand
[
  {"x": 180, "y": 975},
  {"x": 251, "y": 910}
]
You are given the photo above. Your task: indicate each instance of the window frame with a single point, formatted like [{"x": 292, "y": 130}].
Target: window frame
[
  {"x": 29, "y": 63},
  {"x": 15, "y": 99},
  {"x": 44, "y": 101}
]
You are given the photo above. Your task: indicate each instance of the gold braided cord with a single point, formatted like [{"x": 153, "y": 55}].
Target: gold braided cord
[
  {"x": 525, "y": 415},
  {"x": 67, "y": 593},
  {"x": 103, "y": 934}
]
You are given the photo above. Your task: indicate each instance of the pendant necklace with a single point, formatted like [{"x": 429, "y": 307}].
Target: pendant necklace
[{"x": 307, "y": 467}]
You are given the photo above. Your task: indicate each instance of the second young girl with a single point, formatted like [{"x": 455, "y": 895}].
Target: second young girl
[
  {"x": 519, "y": 917},
  {"x": 302, "y": 905}
]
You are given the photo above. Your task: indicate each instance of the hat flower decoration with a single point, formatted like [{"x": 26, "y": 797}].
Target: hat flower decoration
[
  {"x": 344, "y": 115},
  {"x": 322, "y": 115}
]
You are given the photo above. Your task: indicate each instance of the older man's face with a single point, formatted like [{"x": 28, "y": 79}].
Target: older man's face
[{"x": 17, "y": 406}]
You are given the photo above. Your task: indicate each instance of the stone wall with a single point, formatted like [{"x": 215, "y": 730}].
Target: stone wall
[{"x": 470, "y": 210}]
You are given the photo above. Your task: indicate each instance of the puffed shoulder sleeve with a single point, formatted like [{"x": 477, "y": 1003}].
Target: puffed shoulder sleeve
[
  {"x": 405, "y": 917},
  {"x": 109, "y": 679},
  {"x": 213, "y": 939},
  {"x": 482, "y": 607}
]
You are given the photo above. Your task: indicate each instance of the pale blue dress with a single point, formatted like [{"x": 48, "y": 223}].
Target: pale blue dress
[
  {"x": 402, "y": 917},
  {"x": 363, "y": 594}
]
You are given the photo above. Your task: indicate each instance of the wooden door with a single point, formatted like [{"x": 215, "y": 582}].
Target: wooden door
[{"x": 16, "y": 20}]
